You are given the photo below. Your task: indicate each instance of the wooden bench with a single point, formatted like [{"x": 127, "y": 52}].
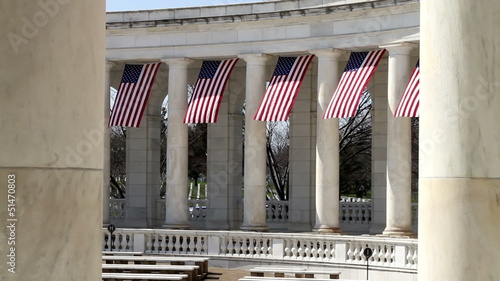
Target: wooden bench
[
  {"x": 144, "y": 277},
  {"x": 113, "y": 253},
  {"x": 201, "y": 262},
  {"x": 260, "y": 278},
  {"x": 190, "y": 270},
  {"x": 299, "y": 272}
]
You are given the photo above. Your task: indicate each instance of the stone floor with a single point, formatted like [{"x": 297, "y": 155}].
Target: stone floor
[{"x": 223, "y": 274}]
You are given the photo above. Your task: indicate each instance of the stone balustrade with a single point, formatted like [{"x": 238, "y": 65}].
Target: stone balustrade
[
  {"x": 355, "y": 213},
  {"x": 388, "y": 253}
]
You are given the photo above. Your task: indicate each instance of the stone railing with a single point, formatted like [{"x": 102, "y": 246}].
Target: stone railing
[
  {"x": 271, "y": 247},
  {"x": 355, "y": 213}
]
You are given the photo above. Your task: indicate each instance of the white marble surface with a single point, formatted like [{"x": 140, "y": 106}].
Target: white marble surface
[
  {"x": 398, "y": 212},
  {"x": 254, "y": 214},
  {"x": 459, "y": 135},
  {"x": 177, "y": 215},
  {"x": 327, "y": 143},
  {"x": 51, "y": 115}
]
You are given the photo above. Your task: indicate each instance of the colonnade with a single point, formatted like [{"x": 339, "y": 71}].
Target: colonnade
[{"x": 325, "y": 216}]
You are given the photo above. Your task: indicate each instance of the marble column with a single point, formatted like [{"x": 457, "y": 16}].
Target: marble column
[
  {"x": 398, "y": 216},
  {"x": 327, "y": 144},
  {"x": 177, "y": 215},
  {"x": 254, "y": 214},
  {"x": 459, "y": 183},
  {"x": 51, "y": 145},
  {"x": 107, "y": 147}
]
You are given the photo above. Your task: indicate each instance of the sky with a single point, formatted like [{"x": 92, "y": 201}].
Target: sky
[{"x": 131, "y": 5}]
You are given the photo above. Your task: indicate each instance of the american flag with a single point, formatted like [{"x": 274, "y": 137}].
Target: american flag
[
  {"x": 282, "y": 90},
  {"x": 409, "y": 104},
  {"x": 133, "y": 94},
  {"x": 207, "y": 96},
  {"x": 357, "y": 74}
]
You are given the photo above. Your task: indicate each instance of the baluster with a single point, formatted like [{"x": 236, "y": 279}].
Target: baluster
[
  {"x": 247, "y": 247},
  {"x": 350, "y": 252},
  {"x": 387, "y": 255},
  {"x": 393, "y": 254},
  {"x": 326, "y": 254},
  {"x": 381, "y": 254},
  {"x": 184, "y": 245},
  {"x": 149, "y": 243},
  {"x": 287, "y": 248},
  {"x": 163, "y": 243},
  {"x": 310, "y": 250},
  {"x": 156, "y": 243},
  {"x": 254, "y": 249},
  {"x": 294, "y": 249},
  {"x": 238, "y": 243},
  {"x": 123, "y": 242},
  {"x": 192, "y": 244},
  {"x": 223, "y": 246},
  {"x": 360, "y": 214},
  {"x": 301, "y": 250},
  {"x": 105, "y": 242},
  {"x": 244, "y": 247},
  {"x": 322, "y": 251},
  {"x": 269, "y": 246},
  {"x": 415, "y": 257},
  {"x": 231, "y": 246},
  {"x": 356, "y": 253},
  {"x": 170, "y": 243},
  {"x": 177, "y": 244}
]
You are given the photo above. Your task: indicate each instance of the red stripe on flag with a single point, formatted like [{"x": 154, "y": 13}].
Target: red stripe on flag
[
  {"x": 281, "y": 94},
  {"x": 346, "y": 98},
  {"x": 409, "y": 104},
  {"x": 132, "y": 98},
  {"x": 207, "y": 96}
]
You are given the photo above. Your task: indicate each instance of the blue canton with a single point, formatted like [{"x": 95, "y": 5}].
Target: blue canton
[
  {"x": 355, "y": 61},
  {"x": 208, "y": 69},
  {"x": 132, "y": 73},
  {"x": 284, "y": 66}
]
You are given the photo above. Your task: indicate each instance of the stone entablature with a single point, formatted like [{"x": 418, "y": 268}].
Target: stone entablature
[
  {"x": 232, "y": 30},
  {"x": 241, "y": 12}
]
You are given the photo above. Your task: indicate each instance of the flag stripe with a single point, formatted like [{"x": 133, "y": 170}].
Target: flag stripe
[
  {"x": 207, "y": 96},
  {"x": 283, "y": 88},
  {"x": 409, "y": 104},
  {"x": 346, "y": 98},
  {"x": 133, "y": 94}
]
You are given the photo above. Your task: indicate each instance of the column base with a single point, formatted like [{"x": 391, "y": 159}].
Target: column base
[
  {"x": 258, "y": 228},
  {"x": 398, "y": 232},
  {"x": 176, "y": 226},
  {"x": 328, "y": 229}
]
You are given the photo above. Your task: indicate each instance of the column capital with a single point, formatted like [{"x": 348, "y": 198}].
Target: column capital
[
  {"x": 330, "y": 53},
  {"x": 177, "y": 62},
  {"x": 255, "y": 58},
  {"x": 399, "y": 48},
  {"x": 110, "y": 64}
]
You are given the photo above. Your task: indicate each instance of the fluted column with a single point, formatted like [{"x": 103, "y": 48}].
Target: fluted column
[
  {"x": 459, "y": 211},
  {"x": 51, "y": 163},
  {"x": 254, "y": 214},
  {"x": 177, "y": 215},
  {"x": 398, "y": 216},
  {"x": 327, "y": 144},
  {"x": 106, "y": 143}
]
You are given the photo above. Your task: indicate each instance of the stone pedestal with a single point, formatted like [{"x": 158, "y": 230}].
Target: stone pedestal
[
  {"x": 459, "y": 141},
  {"x": 51, "y": 88},
  {"x": 254, "y": 214},
  {"x": 177, "y": 215}
]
